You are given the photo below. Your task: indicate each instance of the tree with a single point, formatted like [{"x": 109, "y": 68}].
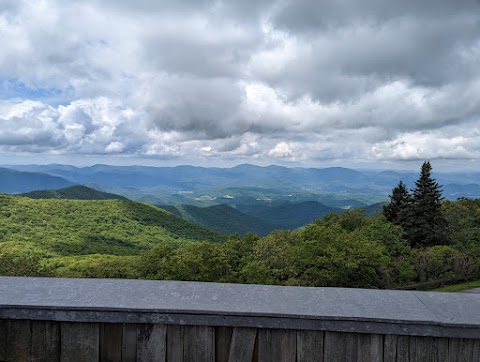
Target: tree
[
  {"x": 427, "y": 225},
  {"x": 419, "y": 213},
  {"x": 400, "y": 202}
]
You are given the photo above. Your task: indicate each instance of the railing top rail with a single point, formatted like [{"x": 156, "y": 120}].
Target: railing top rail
[{"x": 248, "y": 305}]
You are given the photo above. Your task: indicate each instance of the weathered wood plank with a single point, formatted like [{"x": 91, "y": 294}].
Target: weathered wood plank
[
  {"x": 45, "y": 341},
  {"x": 242, "y": 344},
  {"x": 79, "y": 342},
  {"x": 421, "y": 349},
  {"x": 264, "y": 345},
  {"x": 277, "y": 345},
  {"x": 3, "y": 339},
  {"x": 175, "y": 343},
  {"x": 111, "y": 339},
  {"x": 223, "y": 339},
  {"x": 331, "y": 351},
  {"x": 476, "y": 350},
  {"x": 152, "y": 342},
  {"x": 18, "y": 340},
  {"x": 390, "y": 348},
  {"x": 350, "y": 346},
  {"x": 310, "y": 346},
  {"x": 462, "y": 349},
  {"x": 129, "y": 342},
  {"x": 440, "y": 346},
  {"x": 199, "y": 343},
  {"x": 370, "y": 348},
  {"x": 403, "y": 348}
]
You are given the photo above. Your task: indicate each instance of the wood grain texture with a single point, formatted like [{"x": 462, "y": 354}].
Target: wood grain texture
[
  {"x": 370, "y": 347},
  {"x": 3, "y": 339},
  {"x": 242, "y": 344},
  {"x": 129, "y": 342},
  {"x": 79, "y": 342},
  {"x": 390, "y": 348},
  {"x": 152, "y": 342},
  {"x": 199, "y": 343},
  {"x": 476, "y": 350},
  {"x": 175, "y": 343},
  {"x": 25, "y": 340},
  {"x": 223, "y": 339},
  {"x": 277, "y": 345},
  {"x": 421, "y": 349},
  {"x": 111, "y": 339},
  {"x": 440, "y": 347},
  {"x": 310, "y": 346},
  {"x": 332, "y": 341},
  {"x": 45, "y": 341},
  {"x": 463, "y": 350},
  {"x": 18, "y": 340},
  {"x": 403, "y": 348}
]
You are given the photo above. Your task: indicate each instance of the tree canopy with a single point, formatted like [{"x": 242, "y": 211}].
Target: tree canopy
[{"x": 419, "y": 213}]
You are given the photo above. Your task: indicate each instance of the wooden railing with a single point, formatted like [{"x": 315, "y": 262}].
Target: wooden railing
[{"x": 47, "y": 319}]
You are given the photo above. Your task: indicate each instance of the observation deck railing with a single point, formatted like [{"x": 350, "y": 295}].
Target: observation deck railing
[{"x": 49, "y": 319}]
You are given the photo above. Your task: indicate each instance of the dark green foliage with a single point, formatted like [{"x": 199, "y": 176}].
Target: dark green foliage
[
  {"x": 21, "y": 265},
  {"x": 419, "y": 213},
  {"x": 400, "y": 203},
  {"x": 149, "y": 215},
  {"x": 222, "y": 218},
  {"x": 427, "y": 223},
  {"x": 463, "y": 220},
  {"x": 73, "y": 193}
]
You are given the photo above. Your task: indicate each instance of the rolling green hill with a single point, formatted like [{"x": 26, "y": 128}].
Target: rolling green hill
[
  {"x": 53, "y": 227},
  {"x": 222, "y": 218},
  {"x": 74, "y": 193}
]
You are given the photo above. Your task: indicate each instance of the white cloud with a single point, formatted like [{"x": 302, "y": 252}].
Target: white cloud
[
  {"x": 115, "y": 147},
  {"x": 273, "y": 81},
  {"x": 281, "y": 149}
]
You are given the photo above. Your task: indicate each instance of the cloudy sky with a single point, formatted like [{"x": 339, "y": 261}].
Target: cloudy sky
[{"x": 369, "y": 83}]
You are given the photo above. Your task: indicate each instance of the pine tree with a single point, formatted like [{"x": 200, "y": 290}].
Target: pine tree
[
  {"x": 427, "y": 224},
  {"x": 400, "y": 201}
]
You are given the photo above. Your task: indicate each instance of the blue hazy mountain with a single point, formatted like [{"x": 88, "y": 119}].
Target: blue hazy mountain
[
  {"x": 187, "y": 184},
  {"x": 12, "y": 181},
  {"x": 289, "y": 215}
]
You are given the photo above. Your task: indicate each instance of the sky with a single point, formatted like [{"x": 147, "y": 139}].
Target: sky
[{"x": 372, "y": 83}]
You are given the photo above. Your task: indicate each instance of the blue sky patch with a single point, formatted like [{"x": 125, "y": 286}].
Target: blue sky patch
[{"x": 14, "y": 89}]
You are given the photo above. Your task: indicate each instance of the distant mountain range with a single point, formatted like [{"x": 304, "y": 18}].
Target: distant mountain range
[
  {"x": 13, "y": 181},
  {"x": 243, "y": 184},
  {"x": 289, "y": 215}
]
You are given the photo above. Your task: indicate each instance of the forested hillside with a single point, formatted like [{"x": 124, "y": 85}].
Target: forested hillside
[
  {"x": 222, "y": 218},
  {"x": 419, "y": 237},
  {"x": 49, "y": 229},
  {"x": 73, "y": 193}
]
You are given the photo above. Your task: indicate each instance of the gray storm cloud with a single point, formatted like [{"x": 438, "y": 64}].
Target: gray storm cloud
[{"x": 270, "y": 81}]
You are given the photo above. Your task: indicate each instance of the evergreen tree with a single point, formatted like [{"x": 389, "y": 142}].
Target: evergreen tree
[
  {"x": 427, "y": 225},
  {"x": 400, "y": 201}
]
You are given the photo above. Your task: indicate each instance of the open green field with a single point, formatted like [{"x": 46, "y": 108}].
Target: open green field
[{"x": 458, "y": 287}]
